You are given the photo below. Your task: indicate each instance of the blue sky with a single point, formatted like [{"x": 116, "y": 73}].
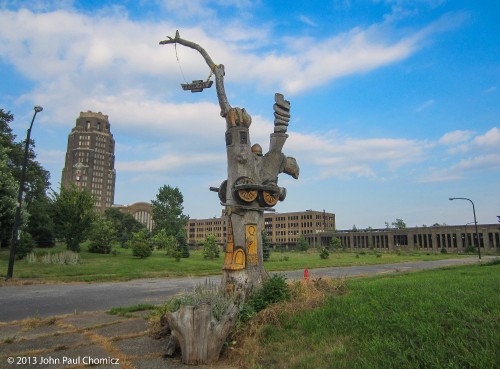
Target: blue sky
[{"x": 395, "y": 104}]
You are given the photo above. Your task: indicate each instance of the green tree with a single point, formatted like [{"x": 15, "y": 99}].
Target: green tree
[
  {"x": 8, "y": 197},
  {"x": 36, "y": 180},
  {"x": 336, "y": 243},
  {"x": 25, "y": 245},
  {"x": 167, "y": 210},
  {"x": 40, "y": 223},
  {"x": 211, "y": 249},
  {"x": 399, "y": 224},
  {"x": 266, "y": 247},
  {"x": 73, "y": 214},
  {"x": 302, "y": 243},
  {"x": 102, "y": 236},
  {"x": 161, "y": 240},
  {"x": 181, "y": 239},
  {"x": 140, "y": 244},
  {"x": 123, "y": 223}
]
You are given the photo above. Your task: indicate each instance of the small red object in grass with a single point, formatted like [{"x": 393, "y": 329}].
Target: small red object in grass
[{"x": 306, "y": 274}]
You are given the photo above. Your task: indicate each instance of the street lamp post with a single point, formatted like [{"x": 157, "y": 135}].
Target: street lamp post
[
  {"x": 475, "y": 222},
  {"x": 467, "y": 238},
  {"x": 17, "y": 219}
]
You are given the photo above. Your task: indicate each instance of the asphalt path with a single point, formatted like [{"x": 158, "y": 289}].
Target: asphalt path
[{"x": 42, "y": 300}]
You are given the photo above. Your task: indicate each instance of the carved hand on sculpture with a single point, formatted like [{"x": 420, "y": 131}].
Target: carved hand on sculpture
[{"x": 237, "y": 117}]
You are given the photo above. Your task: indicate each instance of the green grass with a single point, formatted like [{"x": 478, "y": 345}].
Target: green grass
[
  {"x": 124, "y": 266},
  {"x": 446, "y": 318}
]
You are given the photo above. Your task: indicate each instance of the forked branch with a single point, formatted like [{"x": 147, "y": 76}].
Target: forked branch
[{"x": 218, "y": 70}]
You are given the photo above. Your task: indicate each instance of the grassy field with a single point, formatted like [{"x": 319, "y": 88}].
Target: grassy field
[
  {"x": 124, "y": 266},
  {"x": 447, "y": 318}
]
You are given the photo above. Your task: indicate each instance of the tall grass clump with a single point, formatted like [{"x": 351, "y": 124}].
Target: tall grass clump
[
  {"x": 61, "y": 258},
  {"x": 203, "y": 293}
]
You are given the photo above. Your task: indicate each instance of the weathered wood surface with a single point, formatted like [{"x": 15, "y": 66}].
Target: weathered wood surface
[
  {"x": 250, "y": 189},
  {"x": 199, "y": 335}
]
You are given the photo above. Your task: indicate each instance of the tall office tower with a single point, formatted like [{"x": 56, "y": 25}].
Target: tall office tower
[{"x": 90, "y": 158}]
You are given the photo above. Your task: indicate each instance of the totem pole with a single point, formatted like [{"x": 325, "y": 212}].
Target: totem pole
[{"x": 252, "y": 180}]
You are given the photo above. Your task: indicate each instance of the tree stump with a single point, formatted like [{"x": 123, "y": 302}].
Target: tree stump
[{"x": 198, "y": 334}]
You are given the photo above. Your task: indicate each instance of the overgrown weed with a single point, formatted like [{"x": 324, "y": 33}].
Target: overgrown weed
[
  {"x": 304, "y": 295},
  {"x": 35, "y": 322}
]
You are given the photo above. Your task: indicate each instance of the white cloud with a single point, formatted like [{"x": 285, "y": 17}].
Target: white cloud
[
  {"x": 426, "y": 105},
  {"x": 173, "y": 162},
  {"x": 337, "y": 156},
  {"x": 490, "y": 140},
  {"x": 455, "y": 137},
  {"x": 307, "y": 21},
  {"x": 482, "y": 150}
]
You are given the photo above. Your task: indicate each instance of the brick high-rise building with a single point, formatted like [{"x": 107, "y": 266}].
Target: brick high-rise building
[{"x": 90, "y": 158}]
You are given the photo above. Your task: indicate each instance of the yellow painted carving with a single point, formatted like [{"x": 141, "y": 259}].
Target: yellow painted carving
[
  {"x": 251, "y": 240},
  {"x": 233, "y": 260},
  {"x": 239, "y": 259},
  {"x": 247, "y": 195},
  {"x": 270, "y": 199}
]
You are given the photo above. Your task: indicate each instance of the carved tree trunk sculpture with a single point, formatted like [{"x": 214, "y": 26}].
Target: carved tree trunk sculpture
[{"x": 251, "y": 186}]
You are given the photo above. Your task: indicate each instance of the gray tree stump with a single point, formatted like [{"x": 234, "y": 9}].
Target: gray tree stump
[{"x": 199, "y": 335}]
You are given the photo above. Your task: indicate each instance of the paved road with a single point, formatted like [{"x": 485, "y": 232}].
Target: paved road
[{"x": 19, "y": 302}]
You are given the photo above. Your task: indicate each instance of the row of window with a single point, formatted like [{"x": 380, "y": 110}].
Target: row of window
[{"x": 446, "y": 240}]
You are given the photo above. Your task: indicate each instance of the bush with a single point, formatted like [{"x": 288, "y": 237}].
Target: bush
[
  {"x": 25, "y": 245},
  {"x": 471, "y": 249},
  {"x": 140, "y": 244},
  {"x": 141, "y": 249},
  {"x": 211, "y": 249},
  {"x": 302, "y": 244},
  {"x": 336, "y": 244},
  {"x": 274, "y": 289},
  {"x": 324, "y": 253},
  {"x": 443, "y": 251},
  {"x": 102, "y": 236},
  {"x": 181, "y": 239}
]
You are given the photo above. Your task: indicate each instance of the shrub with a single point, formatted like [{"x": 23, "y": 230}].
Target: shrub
[
  {"x": 495, "y": 261},
  {"x": 211, "y": 249},
  {"x": 302, "y": 244},
  {"x": 25, "y": 245},
  {"x": 141, "y": 249},
  {"x": 181, "y": 239},
  {"x": 470, "y": 249},
  {"x": 336, "y": 243},
  {"x": 140, "y": 244},
  {"x": 102, "y": 236},
  {"x": 324, "y": 253},
  {"x": 443, "y": 251},
  {"x": 274, "y": 289}
]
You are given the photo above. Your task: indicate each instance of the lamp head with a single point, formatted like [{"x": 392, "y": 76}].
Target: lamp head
[
  {"x": 451, "y": 198},
  {"x": 38, "y": 108}
]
